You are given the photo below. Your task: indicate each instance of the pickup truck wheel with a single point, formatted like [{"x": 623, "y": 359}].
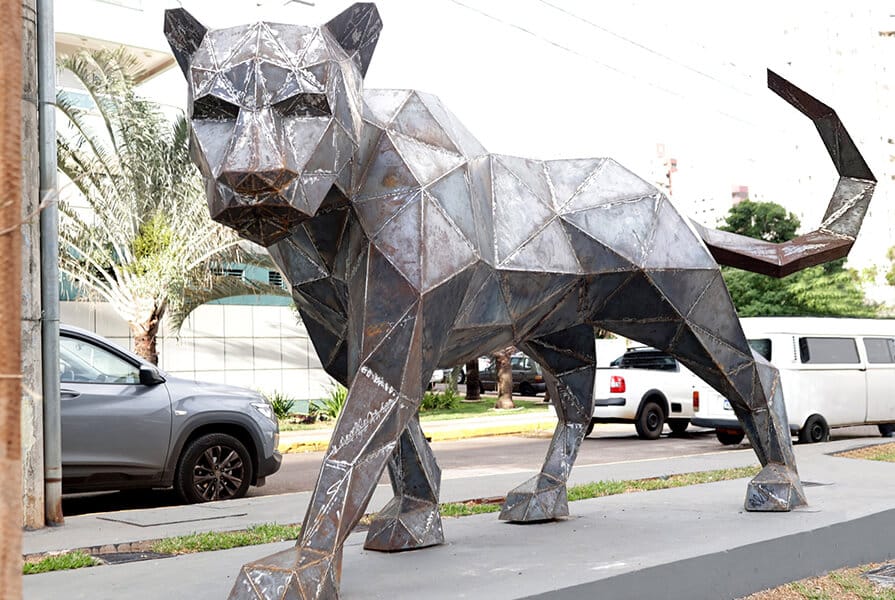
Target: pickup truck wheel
[
  {"x": 730, "y": 438},
  {"x": 525, "y": 389},
  {"x": 678, "y": 426},
  {"x": 650, "y": 422},
  {"x": 815, "y": 430},
  {"x": 215, "y": 466}
]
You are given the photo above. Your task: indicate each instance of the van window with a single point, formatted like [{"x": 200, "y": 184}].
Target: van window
[
  {"x": 880, "y": 350},
  {"x": 762, "y": 346},
  {"x": 825, "y": 351}
]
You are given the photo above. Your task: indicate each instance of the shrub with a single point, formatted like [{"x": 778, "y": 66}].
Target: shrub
[
  {"x": 445, "y": 400},
  {"x": 330, "y": 406},
  {"x": 281, "y": 403}
]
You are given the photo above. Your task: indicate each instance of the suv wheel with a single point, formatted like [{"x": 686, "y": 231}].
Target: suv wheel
[
  {"x": 215, "y": 466},
  {"x": 651, "y": 421},
  {"x": 525, "y": 389}
]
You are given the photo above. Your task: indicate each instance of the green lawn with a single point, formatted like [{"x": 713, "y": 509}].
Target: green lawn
[{"x": 464, "y": 410}]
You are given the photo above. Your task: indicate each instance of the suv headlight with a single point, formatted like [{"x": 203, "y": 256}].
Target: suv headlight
[{"x": 265, "y": 409}]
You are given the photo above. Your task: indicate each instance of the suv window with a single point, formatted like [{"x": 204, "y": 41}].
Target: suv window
[
  {"x": 762, "y": 346},
  {"x": 655, "y": 360},
  {"x": 825, "y": 351},
  {"x": 81, "y": 361},
  {"x": 880, "y": 350}
]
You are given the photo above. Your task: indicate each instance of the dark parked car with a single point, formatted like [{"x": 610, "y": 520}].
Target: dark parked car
[
  {"x": 126, "y": 424},
  {"x": 528, "y": 379}
]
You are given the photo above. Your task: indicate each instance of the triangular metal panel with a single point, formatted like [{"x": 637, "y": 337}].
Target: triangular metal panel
[
  {"x": 568, "y": 176},
  {"x": 427, "y": 163},
  {"x": 611, "y": 183},
  {"x": 414, "y": 120},
  {"x": 548, "y": 251},
  {"x": 626, "y": 227},
  {"x": 402, "y": 233},
  {"x": 518, "y": 212},
  {"x": 446, "y": 252}
]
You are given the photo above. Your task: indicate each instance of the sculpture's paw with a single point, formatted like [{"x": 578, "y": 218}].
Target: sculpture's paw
[
  {"x": 405, "y": 524},
  {"x": 294, "y": 574},
  {"x": 541, "y": 498},
  {"x": 775, "y": 489}
]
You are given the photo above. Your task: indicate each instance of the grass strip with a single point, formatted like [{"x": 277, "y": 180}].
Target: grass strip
[
  {"x": 464, "y": 410},
  {"x": 842, "y": 584},
  {"x": 880, "y": 452},
  {"x": 598, "y": 489},
  {"x": 271, "y": 532},
  {"x": 59, "y": 562},
  {"x": 224, "y": 540}
]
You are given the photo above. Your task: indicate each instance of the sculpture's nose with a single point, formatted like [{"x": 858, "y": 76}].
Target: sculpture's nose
[
  {"x": 253, "y": 183},
  {"x": 255, "y": 163}
]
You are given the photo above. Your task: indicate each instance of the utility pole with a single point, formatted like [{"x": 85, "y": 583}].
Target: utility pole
[
  {"x": 32, "y": 395},
  {"x": 10, "y": 312}
]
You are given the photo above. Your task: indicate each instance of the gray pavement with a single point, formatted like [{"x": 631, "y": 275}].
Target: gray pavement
[{"x": 699, "y": 536}]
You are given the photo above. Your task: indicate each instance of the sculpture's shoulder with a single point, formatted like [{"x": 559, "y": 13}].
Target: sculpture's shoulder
[{"x": 419, "y": 117}]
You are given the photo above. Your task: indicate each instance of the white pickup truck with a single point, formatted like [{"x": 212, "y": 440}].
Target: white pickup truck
[{"x": 648, "y": 388}]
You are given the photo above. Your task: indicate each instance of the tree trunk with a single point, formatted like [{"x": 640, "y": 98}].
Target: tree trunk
[
  {"x": 10, "y": 310},
  {"x": 504, "y": 379},
  {"x": 453, "y": 378},
  {"x": 473, "y": 383},
  {"x": 145, "y": 335}
]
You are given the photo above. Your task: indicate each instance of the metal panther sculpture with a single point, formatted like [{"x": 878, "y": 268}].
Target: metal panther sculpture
[{"x": 408, "y": 246}]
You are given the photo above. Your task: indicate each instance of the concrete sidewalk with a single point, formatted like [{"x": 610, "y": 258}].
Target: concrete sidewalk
[{"x": 692, "y": 542}]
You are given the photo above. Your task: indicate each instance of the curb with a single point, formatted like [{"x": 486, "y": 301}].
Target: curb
[{"x": 541, "y": 426}]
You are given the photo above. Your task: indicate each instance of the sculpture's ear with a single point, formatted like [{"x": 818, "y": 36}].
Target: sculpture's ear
[
  {"x": 184, "y": 35},
  {"x": 357, "y": 30}
]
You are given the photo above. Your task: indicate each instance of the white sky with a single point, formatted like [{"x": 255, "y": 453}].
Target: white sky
[{"x": 564, "y": 78}]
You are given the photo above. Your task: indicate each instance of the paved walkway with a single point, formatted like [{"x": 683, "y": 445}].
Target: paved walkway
[{"x": 699, "y": 535}]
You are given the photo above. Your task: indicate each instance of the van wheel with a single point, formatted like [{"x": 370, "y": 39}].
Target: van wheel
[
  {"x": 590, "y": 429},
  {"x": 525, "y": 389},
  {"x": 650, "y": 422},
  {"x": 215, "y": 466},
  {"x": 730, "y": 438},
  {"x": 887, "y": 430},
  {"x": 815, "y": 430},
  {"x": 678, "y": 426}
]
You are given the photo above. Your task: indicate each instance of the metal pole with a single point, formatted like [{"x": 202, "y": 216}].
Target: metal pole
[{"x": 49, "y": 262}]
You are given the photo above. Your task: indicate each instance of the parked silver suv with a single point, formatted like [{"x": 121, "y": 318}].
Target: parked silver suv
[{"x": 126, "y": 424}]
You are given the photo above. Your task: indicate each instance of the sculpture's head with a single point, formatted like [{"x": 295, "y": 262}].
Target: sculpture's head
[{"x": 275, "y": 113}]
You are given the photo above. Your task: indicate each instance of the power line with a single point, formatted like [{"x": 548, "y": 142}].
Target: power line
[
  {"x": 599, "y": 62},
  {"x": 644, "y": 47}
]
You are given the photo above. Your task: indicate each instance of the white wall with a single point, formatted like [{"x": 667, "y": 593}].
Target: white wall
[{"x": 261, "y": 347}]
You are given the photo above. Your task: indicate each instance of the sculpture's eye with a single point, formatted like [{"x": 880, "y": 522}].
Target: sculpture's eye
[
  {"x": 212, "y": 107},
  {"x": 304, "y": 105}
]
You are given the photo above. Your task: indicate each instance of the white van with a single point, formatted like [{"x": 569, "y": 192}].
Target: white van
[{"x": 835, "y": 372}]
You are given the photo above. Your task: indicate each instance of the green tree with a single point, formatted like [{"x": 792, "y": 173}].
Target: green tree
[
  {"x": 825, "y": 290},
  {"x": 762, "y": 220},
  {"x": 145, "y": 243}
]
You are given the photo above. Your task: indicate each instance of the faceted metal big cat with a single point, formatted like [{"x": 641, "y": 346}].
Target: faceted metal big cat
[{"x": 408, "y": 246}]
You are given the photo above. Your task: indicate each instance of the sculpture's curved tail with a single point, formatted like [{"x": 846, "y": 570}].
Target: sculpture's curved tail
[{"x": 837, "y": 232}]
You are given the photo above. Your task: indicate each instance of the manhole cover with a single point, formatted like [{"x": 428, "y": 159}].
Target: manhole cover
[
  {"x": 884, "y": 575},
  {"x": 116, "y": 558}
]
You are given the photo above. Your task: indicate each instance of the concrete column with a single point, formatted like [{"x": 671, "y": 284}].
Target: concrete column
[{"x": 32, "y": 399}]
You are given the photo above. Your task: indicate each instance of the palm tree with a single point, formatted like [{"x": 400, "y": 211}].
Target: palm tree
[{"x": 145, "y": 243}]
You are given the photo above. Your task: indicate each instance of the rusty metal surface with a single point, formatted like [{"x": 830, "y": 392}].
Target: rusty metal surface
[{"x": 408, "y": 246}]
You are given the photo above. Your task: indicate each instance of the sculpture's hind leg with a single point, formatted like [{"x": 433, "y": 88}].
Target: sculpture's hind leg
[
  {"x": 569, "y": 358},
  {"x": 688, "y": 312},
  {"x": 411, "y": 519}
]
